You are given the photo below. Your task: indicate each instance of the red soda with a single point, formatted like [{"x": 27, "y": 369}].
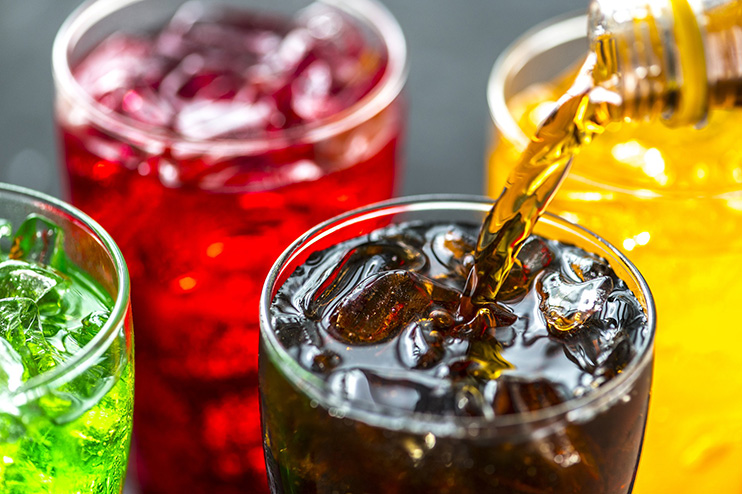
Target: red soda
[{"x": 233, "y": 133}]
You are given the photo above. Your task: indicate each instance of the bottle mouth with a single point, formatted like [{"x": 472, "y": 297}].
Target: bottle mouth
[
  {"x": 529, "y": 62},
  {"x": 649, "y": 51}
]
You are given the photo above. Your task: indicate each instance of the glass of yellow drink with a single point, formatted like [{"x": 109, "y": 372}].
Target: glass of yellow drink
[{"x": 671, "y": 199}]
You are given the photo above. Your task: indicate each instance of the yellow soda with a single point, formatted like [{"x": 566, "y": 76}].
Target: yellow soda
[{"x": 671, "y": 199}]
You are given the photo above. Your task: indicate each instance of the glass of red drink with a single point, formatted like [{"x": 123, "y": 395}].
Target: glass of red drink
[{"x": 206, "y": 137}]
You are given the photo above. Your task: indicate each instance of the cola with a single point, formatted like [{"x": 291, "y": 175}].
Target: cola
[{"x": 381, "y": 374}]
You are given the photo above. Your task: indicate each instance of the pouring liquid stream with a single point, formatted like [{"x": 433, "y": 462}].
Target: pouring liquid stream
[{"x": 579, "y": 115}]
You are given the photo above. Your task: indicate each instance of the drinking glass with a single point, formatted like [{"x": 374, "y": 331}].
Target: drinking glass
[
  {"x": 66, "y": 429},
  {"x": 670, "y": 198},
  {"x": 201, "y": 215},
  {"x": 316, "y": 441}
]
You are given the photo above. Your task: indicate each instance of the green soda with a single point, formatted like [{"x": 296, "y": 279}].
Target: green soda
[{"x": 66, "y": 395}]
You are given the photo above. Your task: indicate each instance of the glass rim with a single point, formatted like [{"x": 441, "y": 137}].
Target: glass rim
[
  {"x": 390, "y": 418},
  {"x": 370, "y": 12},
  {"x": 83, "y": 359}
]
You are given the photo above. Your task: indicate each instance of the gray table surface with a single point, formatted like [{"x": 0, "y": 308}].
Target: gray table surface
[{"x": 452, "y": 46}]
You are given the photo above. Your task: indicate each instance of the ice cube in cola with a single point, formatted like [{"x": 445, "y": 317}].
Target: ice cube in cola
[{"x": 430, "y": 393}]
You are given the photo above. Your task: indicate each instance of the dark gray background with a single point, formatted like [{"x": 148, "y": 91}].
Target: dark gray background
[{"x": 452, "y": 46}]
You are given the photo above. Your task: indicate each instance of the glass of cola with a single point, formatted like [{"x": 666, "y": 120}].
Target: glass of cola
[{"x": 379, "y": 375}]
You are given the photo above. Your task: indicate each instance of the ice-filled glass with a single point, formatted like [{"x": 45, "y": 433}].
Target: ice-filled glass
[
  {"x": 378, "y": 375},
  {"x": 66, "y": 350},
  {"x": 670, "y": 198},
  {"x": 206, "y": 136}
]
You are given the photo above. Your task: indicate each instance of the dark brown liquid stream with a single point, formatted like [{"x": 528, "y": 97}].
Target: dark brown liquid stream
[{"x": 583, "y": 112}]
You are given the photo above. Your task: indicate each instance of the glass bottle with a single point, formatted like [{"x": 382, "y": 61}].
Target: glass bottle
[{"x": 673, "y": 59}]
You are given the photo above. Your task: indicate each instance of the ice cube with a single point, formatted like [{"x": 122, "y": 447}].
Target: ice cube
[
  {"x": 38, "y": 240},
  {"x": 294, "y": 331},
  {"x": 300, "y": 171},
  {"x": 356, "y": 265},
  {"x": 90, "y": 385},
  {"x": 379, "y": 308},
  {"x": 586, "y": 348},
  {"x": 78, "y": 396},
  {"x": 206, "y": 76},
  {"x": 143, "y": 104},
  {"x": 599, "y": 350},
  {"x": 91, "y": 326},
  {"x": 171, "y": 87},
  {"x": 420, "y": 346},
  {"x": 20, "y": 279},
  {"x": 403, "y": 235},
  {"x": 170, "y": 41},
  {"x": 453, "y": 248},
  {"x": 442, "y": 319},
  {"x": 515, "y": 284},
  {"x": 220, "y": 38},
  {"x": 486, "y": 357},
  {"x": 114, "y": 65},
  {"x": 261, "y": 43},
  {"x": 311, "y": 97},
  {"x": 354, "y": 62},
  {"x": 11, "y": 367},
  {"x": 367, "y": 386},
  {"x": 21, "y": 329},
  {"x": 469, "y": 402},
  {"x": 579, "y": 265},
  {"x": 291, "y": 52},
  {"x": 6, "y": 234},
  {"x": 304, "y": 343},
  {"x": 209, "y": 82},
  {"x": 203, "y": 119},
  {"x": 609, "y": 343},
  {"x": 567, "y": 304},
  {"x": 511, "y": 394},
  {"x": 485, "y": 320},
  {"x": 322, "y": 22},
  {"x": 350, "y": 384},
  {"x": 443, "y": 296},
  {"x": 533, "y": 257},
  {"x": 335, "y": 38},
  {"x": 613, "y": 363},
  {"x": 325, "y": 361},
  {"x": 623, "y": 311}
]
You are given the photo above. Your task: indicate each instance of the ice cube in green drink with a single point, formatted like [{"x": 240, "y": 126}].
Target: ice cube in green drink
[{"x": 71, "y": 434}]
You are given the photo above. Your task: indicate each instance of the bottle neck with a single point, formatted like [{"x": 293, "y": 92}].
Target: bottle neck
[
  {"x": 652, "y": 53},
  {"x": 722, "y": 21}
]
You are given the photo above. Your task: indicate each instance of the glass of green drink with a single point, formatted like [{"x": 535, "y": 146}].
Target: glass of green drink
[{"x": 66, "y": 350}]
